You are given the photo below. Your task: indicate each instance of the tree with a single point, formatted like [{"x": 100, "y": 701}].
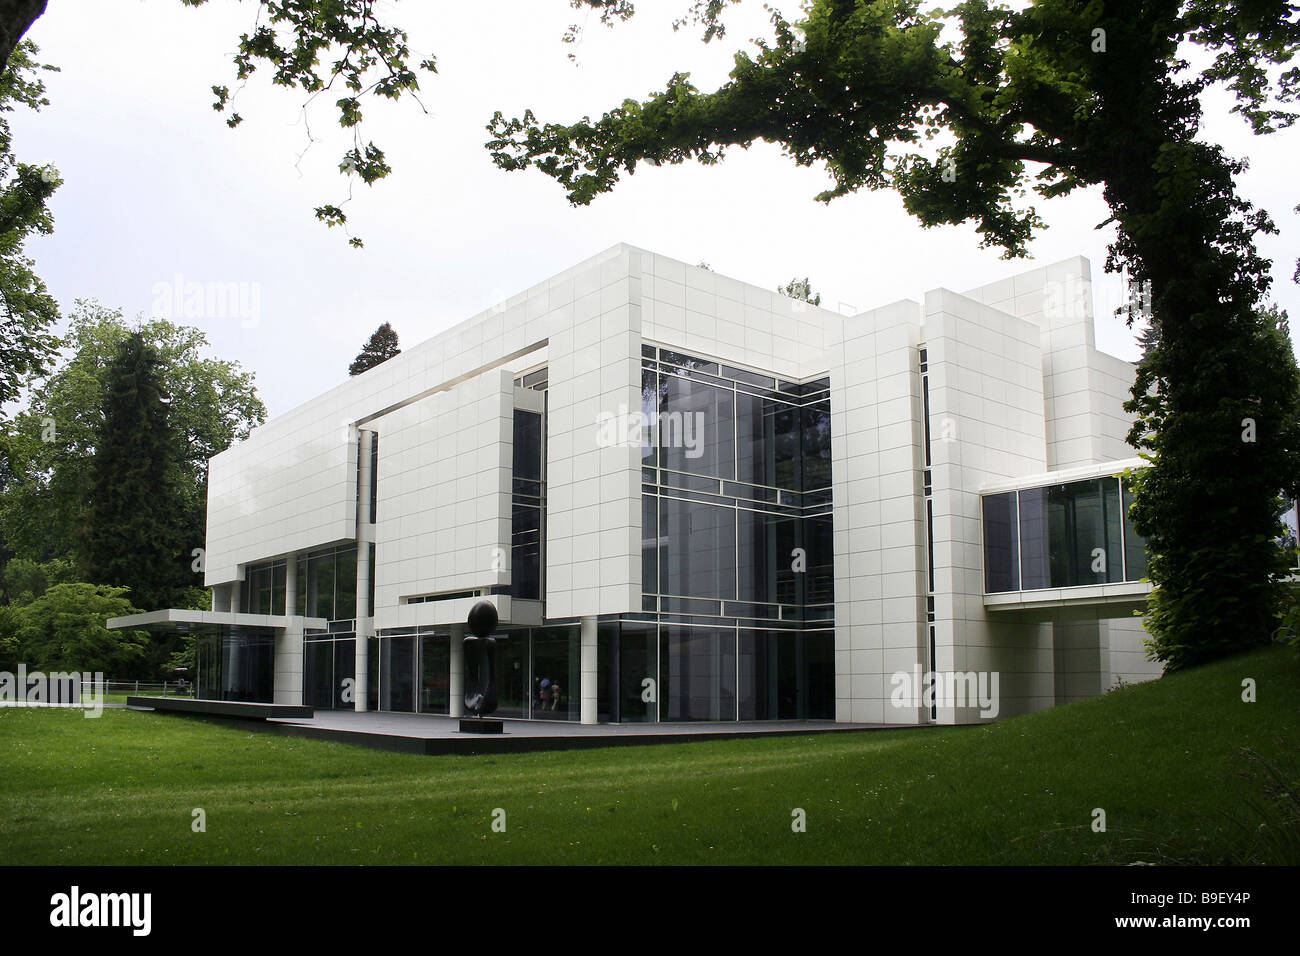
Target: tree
[
  {"x": 800, "y": 289},
  {"x": 1088, "y": 93},
  {"x": 16, "y": 16},
  {"x": 45, "y": 473},
  {"x": 379, "y": 348},
  {"x": 136, "y": 534},
  {"x": 364, "y": 56},
  {"x": 25, "y": 580},
  {"x": 26, "y": 309},
  {"x": 63, "y": 630}
]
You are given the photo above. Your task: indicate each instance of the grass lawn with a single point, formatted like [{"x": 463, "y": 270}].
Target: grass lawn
[{"x": 1163, "y": 760}]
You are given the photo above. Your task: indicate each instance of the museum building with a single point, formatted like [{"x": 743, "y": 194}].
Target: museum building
[{"x": 692, "y": 499}]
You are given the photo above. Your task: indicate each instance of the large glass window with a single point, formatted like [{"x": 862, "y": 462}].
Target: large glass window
[
  {"x": 769, "y": 675},
  {"x": 527, "y": 451},
  {"x": 435, "y": 674},
  {"x": 512, "y": 673},
  {"x": 767, "y": 557},
  {"x": 1135, "y": 546},
  {"x": 247, "y": 664},
  {"x": 1001, "y": 543},
  {"x": 1068, "y": 535},
  {"x": 651, "y": 399},
  {"x": 526, "y": 549},
  {"x": 698, "y": 556},
  {"x": 819, "y": 544},
  {"x": 638, "y": 672},
  {"x": 345, "y": 673},
  {"x": 557, "y": 676},
  {"x": 318, "y": 673},
  {"x": 397, "y": 674},
  {"x": 263, "y": 589},
  {"x": 345, "y": 586},
  {"x": 736, "y": 526},
  {"x": 816, "y": 430},
  {"x": 767, "y": 441},
  {"x": 650, "y": 544},
  {"x": 327, "y": 583},
  {"x": 320, "y": 585},
  {"x": 697, "y": 673},
  {"x": 697, "y": 427},
  {"x": 528, "y": 507}
]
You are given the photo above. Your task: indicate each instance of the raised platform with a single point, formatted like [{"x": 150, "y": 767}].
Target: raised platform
[
  {"x": 481, "y": 725},
  {"x": 432, "y": 735},
  {"x": 238, "y": 709}
]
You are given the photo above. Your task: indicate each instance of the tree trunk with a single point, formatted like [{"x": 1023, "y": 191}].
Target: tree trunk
[{"x": 16, "y": 18}]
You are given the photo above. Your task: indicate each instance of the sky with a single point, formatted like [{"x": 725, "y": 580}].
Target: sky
[{"x": 159, "y": 194}]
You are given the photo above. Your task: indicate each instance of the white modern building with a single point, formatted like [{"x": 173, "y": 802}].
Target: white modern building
[{"x": 693, "y": 499}]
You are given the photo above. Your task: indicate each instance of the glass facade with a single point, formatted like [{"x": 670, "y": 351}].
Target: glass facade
[
  {"x": 738, "y": 570},
  {"x": 327, "y": 583},
  {"x": 1065, "y": 535},
  {"x": 737, "y": 555},
  {"x": 537, "y": 672},
  {"x": 528, "y": 506},
  {"x": 263, "y": 589},
  {"x": 329, "y": 663},
  {"x": 236, "y": 664}
]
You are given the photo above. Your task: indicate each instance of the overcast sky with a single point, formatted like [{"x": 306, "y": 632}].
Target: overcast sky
[{"x": 158, "y": 189}]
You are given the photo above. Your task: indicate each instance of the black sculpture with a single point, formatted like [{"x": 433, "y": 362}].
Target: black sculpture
[{"x": 480, "y": 670}]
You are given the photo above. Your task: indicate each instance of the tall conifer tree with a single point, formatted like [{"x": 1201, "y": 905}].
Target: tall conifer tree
[{"x": 136, "y": 514}]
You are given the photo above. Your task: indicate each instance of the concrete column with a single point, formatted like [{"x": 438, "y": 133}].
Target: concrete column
[
  {"x": 364, "y": 476},
  {"x": 589, "y": 675},
  {"x": 361, "y": 692},
  {"x": 457, "y": 682},
  {"x": 365, "y": 613},
  {"x": 291, "y": 584},
  {"x": 364, "y": 610},
  {"x": 288, "y": 666},
  {"x": 236, "y": 589},
  {"x": 365, "y": 624}
]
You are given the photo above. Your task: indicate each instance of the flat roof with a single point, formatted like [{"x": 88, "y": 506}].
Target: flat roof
[{"x": 186, "y": 620}]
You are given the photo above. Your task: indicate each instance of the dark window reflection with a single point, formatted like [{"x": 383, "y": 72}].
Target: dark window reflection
[
  {"x": 816, "y": 446},
  {"x": 345, "y": 671},
  {"x": 698, "y": 558},
  {"x": 767, "y": 544},
  {"x": 557, "y": 676},
  {"x": 318, "y": 671},
  {"x": 697, "y": 673},
  {"x": 1001, "y": 544},
  {"x": 246, "y": 667},
  {"x": 1135, "y": 546},
  {"x": 435, "y": 674},
  {"x": 650, "y": 544},
  {"x": 1070, "y": 534},
  {"x": 696, "y": 427},
  {"x": 787, "y": 675},
  {"x": 397, "y": 674},
  {"x": 512, "y": 673},
  {"x": 638, "y": 672},
  {"x": 767, "y": 441}
]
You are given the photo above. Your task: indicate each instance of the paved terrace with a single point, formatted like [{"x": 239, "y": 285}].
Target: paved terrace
[{"x": 423, "y": 734}]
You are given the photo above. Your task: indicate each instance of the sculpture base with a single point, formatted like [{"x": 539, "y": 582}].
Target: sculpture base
[{"x": 481, "y": 725}]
